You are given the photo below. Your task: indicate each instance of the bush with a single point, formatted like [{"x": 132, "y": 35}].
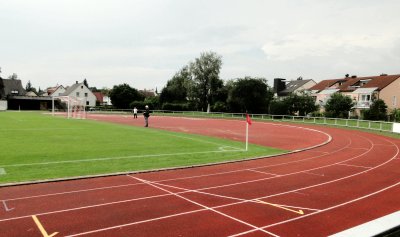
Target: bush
[
  {"x": 219, "y": 106},
  {"x": 377, "y": 111},
  {"x": 395, "y": 115}
]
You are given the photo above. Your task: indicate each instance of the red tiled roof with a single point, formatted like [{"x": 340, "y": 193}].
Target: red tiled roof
[
  {"x": 375, "y": 81},
  {"x": 322, "y": 85},
  {"x": 99, "y": 96},
  {"x": 381, "y": 81}
]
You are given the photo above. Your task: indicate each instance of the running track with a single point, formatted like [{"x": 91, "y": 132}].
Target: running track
[{"x": 343, "y": 179}]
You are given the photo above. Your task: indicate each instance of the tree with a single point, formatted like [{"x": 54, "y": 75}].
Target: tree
[
  {"x": 176, "y": 90},
  {"x": 338, "y": 106},
  {"x": 205, "y": 71},
  {"x": 29, "y": 87},
  {"x": 377, "y": 111},
  {"x": 122, "y": 95},
  {"x": 300, "y": 104},
  {"x": 14, "y": 76},
  {"x": 395, "y": 115},
  {"x": 248, "y": 94},
  {"x": 85, "y": 83}
]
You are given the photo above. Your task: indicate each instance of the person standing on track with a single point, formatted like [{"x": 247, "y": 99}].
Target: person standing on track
[
  {"x": 135, "y": 113},
  {"x": 146, "y": 115}
]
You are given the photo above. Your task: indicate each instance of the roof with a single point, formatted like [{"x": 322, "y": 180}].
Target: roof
[
  {"x": 99, "y": 96},
  {"x": 381, "y": 81},
  {"x": 51, "y": 90},
  {"x": 11, "y": 87},
  {"x": 349, "y": 83},
  {"x": 292, "y": 86},
  {"x": 322, "y": 85},
  {"x": 70, "y": 89}
]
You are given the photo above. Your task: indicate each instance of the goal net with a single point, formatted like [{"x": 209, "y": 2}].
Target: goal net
[{"x": 73, "y": 106}]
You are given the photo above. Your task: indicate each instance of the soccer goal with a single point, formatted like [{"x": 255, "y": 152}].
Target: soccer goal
[{"x": 74, "y": 107}]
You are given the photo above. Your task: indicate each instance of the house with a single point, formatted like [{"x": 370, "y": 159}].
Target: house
[
  {"x": 17, "y": 98},
  {"x": 10, "y": 87},
  {"x": 283, "y": 88},
  {"x": 79, "y": 90},
  {"x": 58, "y": 90},
  {"x": 362, "y": 90}
]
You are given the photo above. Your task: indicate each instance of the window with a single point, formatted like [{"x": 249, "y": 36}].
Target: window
[
  {"x": 81, "y": 87},
  {"x": 86, "y": 94},
  {"x": 77, "y": 94},
  {"x": 365, "y": 97},
  {"x": 394, "y": 101},
  {"x": 87, "y": 102}
]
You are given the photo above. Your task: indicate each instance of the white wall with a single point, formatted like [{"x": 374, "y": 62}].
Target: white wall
[
  {"x": 3, "y": 105},
  {"x": 82, "y": 89}
]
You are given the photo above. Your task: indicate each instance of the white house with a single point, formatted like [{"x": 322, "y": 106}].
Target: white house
[
  {"x": 79, "y": 90},
  {"x": 56, "y": 91}
]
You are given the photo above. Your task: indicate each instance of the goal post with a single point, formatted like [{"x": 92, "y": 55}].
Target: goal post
[{"x": 75, "y": 107}]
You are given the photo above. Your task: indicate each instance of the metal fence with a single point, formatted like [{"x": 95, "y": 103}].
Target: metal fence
[{"x": 353, "y": 123}]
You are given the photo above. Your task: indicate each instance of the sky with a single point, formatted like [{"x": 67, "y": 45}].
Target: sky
[{"x": 145, "y": 42}]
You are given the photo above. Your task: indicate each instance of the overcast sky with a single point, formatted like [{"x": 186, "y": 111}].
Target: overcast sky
[{"x": 145, "y": 42}]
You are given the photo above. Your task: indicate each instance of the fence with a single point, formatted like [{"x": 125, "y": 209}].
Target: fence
[{"x": 353, "y": 123}]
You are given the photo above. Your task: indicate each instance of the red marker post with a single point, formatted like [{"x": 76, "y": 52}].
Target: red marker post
[{"x": 248, "y": 122}]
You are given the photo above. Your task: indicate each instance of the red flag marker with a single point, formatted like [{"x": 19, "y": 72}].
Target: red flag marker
[{"x": 248, "y": 119}]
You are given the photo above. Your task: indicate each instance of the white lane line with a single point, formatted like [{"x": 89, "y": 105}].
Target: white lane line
[
  {"x": 181, "y": 197},
  {"x": 358, "y": 166},
  {"x": 255, "y": 200},
  {"x": 70, "y": 192},
  {"x": 120, "y": 157},
  {"x": 257, "y": 171},
  {"x": 311, "y": 173}
]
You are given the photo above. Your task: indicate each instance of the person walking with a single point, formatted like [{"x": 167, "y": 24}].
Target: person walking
[
  {"x": 146, "y": 115},
  {"x": 135, "y": 113}
]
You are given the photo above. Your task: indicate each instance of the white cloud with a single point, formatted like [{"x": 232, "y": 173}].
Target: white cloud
[
  {"x": 301, "y": 46},
  {"x": 147, "y": 41}
]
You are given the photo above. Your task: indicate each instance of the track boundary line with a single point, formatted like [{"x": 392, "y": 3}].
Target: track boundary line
[{"x": 121, "y": 157}]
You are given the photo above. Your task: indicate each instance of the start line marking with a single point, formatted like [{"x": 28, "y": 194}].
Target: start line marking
[{"x": 41, "y": 228}]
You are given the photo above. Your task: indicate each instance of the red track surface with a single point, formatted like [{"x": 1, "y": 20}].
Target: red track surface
[{"x": 352, "y": 179}]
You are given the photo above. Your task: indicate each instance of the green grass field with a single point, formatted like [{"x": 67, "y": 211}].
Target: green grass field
[{"x": 35, "y": 146}]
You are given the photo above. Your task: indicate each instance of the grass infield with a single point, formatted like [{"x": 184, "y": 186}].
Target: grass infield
[{"x": 36, "y": 146}]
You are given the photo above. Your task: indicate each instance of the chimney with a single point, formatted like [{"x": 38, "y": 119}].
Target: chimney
[
  {"x": 383, "y": 74},
  {"x": 354, "y": 76},
  {"x": 76, "y": 82},
  {"x": 279, "y": 85}
]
